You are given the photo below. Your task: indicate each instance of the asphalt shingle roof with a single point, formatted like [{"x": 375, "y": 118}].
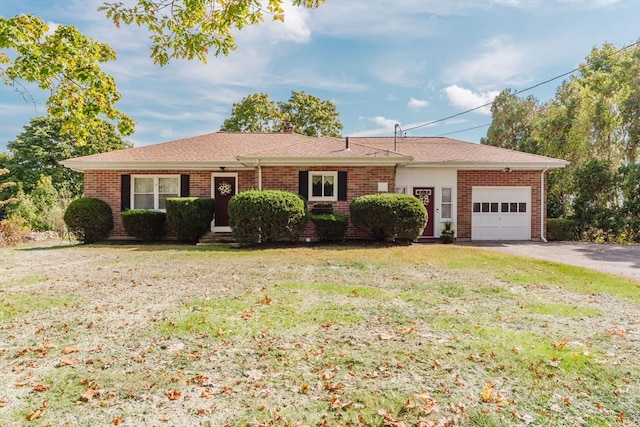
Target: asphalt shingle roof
[{"x": 227, "y": 148}]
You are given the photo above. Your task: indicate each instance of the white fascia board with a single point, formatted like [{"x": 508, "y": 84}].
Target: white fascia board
[
  {"x": 325, "y": 161},
  {"x": 490, "y": 166},
  {"x": 82, "y": 166}
]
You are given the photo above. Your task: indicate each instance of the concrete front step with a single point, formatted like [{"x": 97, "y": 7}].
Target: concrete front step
[{"x": 212, "y": 238}]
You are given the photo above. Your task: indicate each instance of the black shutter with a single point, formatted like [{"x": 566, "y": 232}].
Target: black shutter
[
  {"x": 303, "y": 184},
  {"x": 342, "y": 185},
  {"x": 184, "y": 185},
  {"x": 125, "y": 192}
]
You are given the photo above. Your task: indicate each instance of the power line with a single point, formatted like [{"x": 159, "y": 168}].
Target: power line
[
  {"x": 464, "y": 130},
  {"x": 515, "y": 93}
]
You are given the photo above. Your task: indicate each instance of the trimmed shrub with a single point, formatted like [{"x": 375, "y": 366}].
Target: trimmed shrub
[
  {"x": 560, "y": 229},
  {"x": 389, "y": 216},
  {"x": 190, "y": 216},
  {"x": 266, "y": 216},
  {"x": 330, "y": 227},
  {"x": 146, "y": 225},
  {"x": 89, "y": 219}
]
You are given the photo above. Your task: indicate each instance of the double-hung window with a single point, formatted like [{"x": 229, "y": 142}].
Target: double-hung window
[
  {"x": 152, "y": 191},
  {"x": 323, "y": 186}
]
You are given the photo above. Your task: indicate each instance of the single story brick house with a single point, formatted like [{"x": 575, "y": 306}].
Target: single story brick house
[{"x": 488, "y": 193}]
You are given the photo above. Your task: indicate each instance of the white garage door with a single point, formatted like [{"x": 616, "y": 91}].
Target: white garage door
[{"x": 501, "y": 213}]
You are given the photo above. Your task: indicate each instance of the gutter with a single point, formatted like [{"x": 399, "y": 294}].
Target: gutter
[
  {"x": 259, "y": 174},
  {"x": 542, "y": 204}
]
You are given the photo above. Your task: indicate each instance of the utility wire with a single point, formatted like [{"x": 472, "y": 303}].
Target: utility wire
[
  {"x": 464, "y": 130},
  {"x": 515, "y": 93}
]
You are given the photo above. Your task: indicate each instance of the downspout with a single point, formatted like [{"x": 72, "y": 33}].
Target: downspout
[
  {"x": 259, "y": 174},
  {"x": 542, "y": 204}
]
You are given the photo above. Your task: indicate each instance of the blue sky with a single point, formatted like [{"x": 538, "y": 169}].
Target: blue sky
[{"x": 381, "y": 62}]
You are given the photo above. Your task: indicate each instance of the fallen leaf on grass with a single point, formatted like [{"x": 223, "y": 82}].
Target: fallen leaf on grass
[
  {"x": 38, "y": 412},
  {"x": 490, "y": 395},
  {"x": 617, "y": 332},
  {"x": 40, "y": 388},
  {"x": 118, "y": 420},
  {"x": 174, "y": 395},
  {"x": 426, "y": 423},
  {"x": 337, "y": 404},
  {"x": 67, "y": 361},
  {"x": 3, "y": 402},
  {"x": 264, "y": 300},
  {"x": 560, "y": 344},
  {"x": 69, "y": 350},
  {"x": 390, "y": 421}
]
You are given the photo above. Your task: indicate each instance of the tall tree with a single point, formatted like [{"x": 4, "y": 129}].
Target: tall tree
[
  {"x": 67, "y": 64},
  {"x": 513, "y": 122},
  {"x": 38, "y": 150},
  {"x": 308, "y": 114},
  {"x": 255, "y": 113}
]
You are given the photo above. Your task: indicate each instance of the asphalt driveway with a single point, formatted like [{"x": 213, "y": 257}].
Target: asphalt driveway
[{"x": 622, "y": 260}]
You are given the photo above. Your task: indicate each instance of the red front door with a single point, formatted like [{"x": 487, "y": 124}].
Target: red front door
[
  {"x": 224, "y": 188},
  {"x": 425, "y": 194}
]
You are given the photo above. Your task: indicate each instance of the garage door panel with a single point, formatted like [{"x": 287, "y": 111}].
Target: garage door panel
[{"x": 501, "y": 213}]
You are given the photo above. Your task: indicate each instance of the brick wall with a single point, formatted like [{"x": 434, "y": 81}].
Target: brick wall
[
  {"x": 470, "y": 178},
  {"x": 105, "y": 185},
  {"x": 360, "y": 181}
]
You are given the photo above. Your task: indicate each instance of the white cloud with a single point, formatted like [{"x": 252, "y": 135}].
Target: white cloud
[
  {"x": 501, "y": 63},
  {"x": 416, "y": 104},
  {"x": 377, "y": 126},
  {"x": 466, "y": 99}
]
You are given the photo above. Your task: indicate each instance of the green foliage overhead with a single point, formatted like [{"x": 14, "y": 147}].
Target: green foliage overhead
[
  {"x": 89, "y": 219},
  {"x": 67, "y": 64},
  {"x": 308, "y": 114},
  {"x": 192, "y": 29},
  {"x": 389, "y": 217},
  {"x": 266, "y": 216},
  {"x": 190, "y": 216},
  {"x": 42, "y": 145}
]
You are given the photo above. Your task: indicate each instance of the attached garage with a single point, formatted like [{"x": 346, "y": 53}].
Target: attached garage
[{"x": 501, "y": 213}]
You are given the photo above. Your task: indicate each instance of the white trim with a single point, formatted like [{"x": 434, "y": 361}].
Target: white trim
[
  {"x": 156, "y": 189},
  {"x": 214, "y": 175},
  {"x": 333, "y": 197}
]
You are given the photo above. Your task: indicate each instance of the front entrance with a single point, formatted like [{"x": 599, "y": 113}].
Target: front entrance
[
  {"x": 425, "y": 194},
  {"x": 223, "y": 187}
]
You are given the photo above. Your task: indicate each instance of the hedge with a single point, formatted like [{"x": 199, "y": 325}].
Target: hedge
[
  {"x": 330, "y": 227},
  {"x": 389, "y": 216},
  {"x": 560, "y": 229},
  {"x": 146, "y": 225},
  {"x": 190, "y": 216},
  {"x": 266, "y": 216}
]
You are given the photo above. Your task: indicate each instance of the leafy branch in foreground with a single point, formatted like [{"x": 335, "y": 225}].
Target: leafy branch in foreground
[
  {"x": 66, "y": 63},
  {"x": 191, "y": 28}
]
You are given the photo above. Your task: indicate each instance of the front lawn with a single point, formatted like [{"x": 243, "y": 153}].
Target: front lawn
[{"x": 420, "y": 335}]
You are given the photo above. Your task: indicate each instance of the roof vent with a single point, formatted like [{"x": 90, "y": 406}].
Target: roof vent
[{"x": 288, "y": 127}]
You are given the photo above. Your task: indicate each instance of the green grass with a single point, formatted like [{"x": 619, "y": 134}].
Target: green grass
[{"x": 315, "y": 335}]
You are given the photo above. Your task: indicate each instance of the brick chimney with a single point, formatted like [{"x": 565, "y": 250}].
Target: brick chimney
[{"x": 288, "y": 127}]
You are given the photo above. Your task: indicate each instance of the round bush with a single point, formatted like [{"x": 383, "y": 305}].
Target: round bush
[
  {"x": 146, "y": 225},
  {"x": 266, "y": 216},
  {"x": 89, "y": 219},
  {"x": 389, "y": 216},
  {"x": 190, "y": 216}
]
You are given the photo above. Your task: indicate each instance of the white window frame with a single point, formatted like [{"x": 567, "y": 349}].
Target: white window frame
[
  {"x": 156, "y": 189},
  {"x": 443, "y": 203},
  {"x": 334, "y": 196}
]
